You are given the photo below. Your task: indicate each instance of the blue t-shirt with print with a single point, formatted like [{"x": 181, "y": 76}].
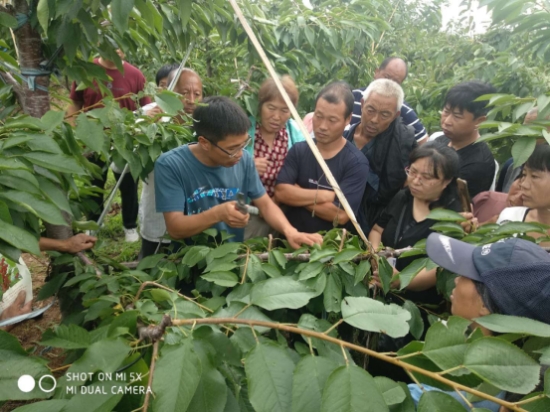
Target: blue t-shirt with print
[{"x": 184, "y": 184}]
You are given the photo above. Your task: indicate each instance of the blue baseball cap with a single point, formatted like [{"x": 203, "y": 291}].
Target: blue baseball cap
[{"x": 515, "y": 272}]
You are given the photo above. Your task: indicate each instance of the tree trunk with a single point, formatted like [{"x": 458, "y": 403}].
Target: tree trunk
[{"x": 36, "y": 102}]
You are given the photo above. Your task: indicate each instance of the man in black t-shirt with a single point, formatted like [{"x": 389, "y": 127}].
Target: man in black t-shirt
[
  {"x": 460, "y": 120},
  {"x": 302, "y": 184}
]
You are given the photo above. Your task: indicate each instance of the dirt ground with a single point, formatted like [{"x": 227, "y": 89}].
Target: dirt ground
[{"x": 30, "y": 331}]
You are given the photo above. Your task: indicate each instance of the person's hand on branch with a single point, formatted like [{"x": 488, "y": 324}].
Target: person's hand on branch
[
  {"x": 470, "y": 224},
  {"x": 155, "y": 111},
  {"x": 298, "y": 239}
]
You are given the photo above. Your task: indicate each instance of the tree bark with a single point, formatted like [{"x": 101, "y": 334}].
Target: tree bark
[{"x": 36, "y": 102}]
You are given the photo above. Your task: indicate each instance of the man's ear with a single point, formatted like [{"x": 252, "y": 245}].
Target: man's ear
[
  {"x": 479, "y": 120},
  {"x": 204, "y": 143},
  {"x": 483, "y": 311}
]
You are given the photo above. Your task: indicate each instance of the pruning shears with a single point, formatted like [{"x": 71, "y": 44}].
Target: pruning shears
[{"x": 245, "y": 208}]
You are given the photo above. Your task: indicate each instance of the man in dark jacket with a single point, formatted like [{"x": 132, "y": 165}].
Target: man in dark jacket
[{"x": 387, "y": 144}]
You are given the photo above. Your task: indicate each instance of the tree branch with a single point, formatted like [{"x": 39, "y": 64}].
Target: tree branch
[
  {"x": 9, "y": 79},
  {"x": 318, "y": 335},
  {"x": 149, "y": 283},
  {"x": 151, "y": 372}
]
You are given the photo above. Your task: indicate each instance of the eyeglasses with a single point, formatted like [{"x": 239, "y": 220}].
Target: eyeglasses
[
  {"x": 236, "y": 152},
  {"x": 422, "y": 177}
]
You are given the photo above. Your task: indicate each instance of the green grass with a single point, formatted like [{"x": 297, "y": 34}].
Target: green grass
[{"x": 111, "y": 235}]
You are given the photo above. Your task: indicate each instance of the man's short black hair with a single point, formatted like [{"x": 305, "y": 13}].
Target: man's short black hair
[
  {"x": 165, "y": 70},
  {"x": 337, "y": 92},
  {"x": 387, "y": 61},
  {"x": 463, "y": 96},
  {"x": 217, "y": 117}
]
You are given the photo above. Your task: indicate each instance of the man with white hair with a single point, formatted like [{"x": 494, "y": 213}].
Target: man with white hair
[
  {"x": 392, "y": 68},
  {"x": 386, "y": 142}
]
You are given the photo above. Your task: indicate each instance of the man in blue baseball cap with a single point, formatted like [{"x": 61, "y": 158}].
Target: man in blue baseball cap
[{"x": 511, "y": 277}]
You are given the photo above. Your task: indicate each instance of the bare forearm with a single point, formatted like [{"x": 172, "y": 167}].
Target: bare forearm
[
  {"x": 293, "y": 195},
  {"x": 375, "y": 237},
  {"x": 180, "y": 226},
  {"x": 275, "y": 218},
  {"x": 58, "y": 245},
  {"x": 329, "y": 212},
  {"x": 423, "y": 281}
]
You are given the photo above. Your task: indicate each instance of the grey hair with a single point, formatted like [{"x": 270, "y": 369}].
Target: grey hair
[
  {"x": 386, "y": 88},
  {"x": 173, "y": 73}
]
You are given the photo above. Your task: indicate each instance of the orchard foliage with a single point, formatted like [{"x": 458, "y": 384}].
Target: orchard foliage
[{"x": 292, "y": 305}]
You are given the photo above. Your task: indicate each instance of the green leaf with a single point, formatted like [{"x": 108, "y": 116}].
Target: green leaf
[
  {"x": 448, "y": 228},
  {"x": 514, "y": 324},
  {"x": 446, "y": 343},
  {"x": 44, "y": 210},
  {"x": 120, "y": 11},
  {"x": 169, "y": 102},
  {"x": 52, "y": 118},
  {"x": 224, "y": 249},
  {"x": 56, "y": 162},
  {"x": 416, "y": 323},
  {"x": 10, "y": 343},
  {"x": 361, "y": 270},
  {"x": 385, "y": 272},
  {"x": 310, "y": 270},
  {"x": 323, "y": 255},
  {"x": 345, "y": 255},
  {"x": 184, "y": 9},
  {"x": 332, "y": 295},
  {"x": 177, "y": 376},
  {"x": 19, "y": 238},
  {"x": 310, "y": 376},
  {"x": 269, "y": 371},
  {"x": 195, "y": 255},
  {"x": 503, "y": 365},
  {"x": 226, "y": 279},
  {"x": 373, "y": 316},
  {"x": 252, "y": 313},
  {"x": 52, "y": 405},
  {"x": 279, "y": 293},
  {"x": 445, "y": 215},
  {"x": 105, "y": 355},
  {"x": 413, "y": 269},
  {"x": 350, "y": 388},
  {"x": 108, "y": 395},
  {"x": 391, "y": 391},
  {"x": 12, "y": 164},
  {"x": 7, "y": 20},
  {"x": 279, "y": 258},
  {"x": 522, "y": 149},
  {"x": 55, "y": 194},
  {"x": 439, "y": 401},
  {"x": 68, "y": 337},
  {"x": 90, "y": 133},
  {"x": 212, "y": 382},
  {"x": 512, "y": 228},
  {"x": 150, "y": 262},
  {"x": 270, "y": 270}
]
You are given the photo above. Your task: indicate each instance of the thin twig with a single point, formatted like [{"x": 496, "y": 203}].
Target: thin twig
[
  {"x": 243, "y": 278},
  {"x": 333, "y": 326},
  {"x": 466, "y": 401},
  {"x": 239, "y": 313},
  {"x": 98, "y": 104},
  {"x": 270, "y": 242},
  {"x": 149, "y": 283},
  {"x": 343, "y": 241},
  {"x": 395, "y": 361},
  {"x": 151, "y": 372},
  {"x": 88, "y": 262}
]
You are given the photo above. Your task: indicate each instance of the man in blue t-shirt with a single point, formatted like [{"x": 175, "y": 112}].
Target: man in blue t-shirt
[
  {"x": 196, "y": 184},
  {"x": 302, "y": 184},
  {"x": 392, "y": 68}
]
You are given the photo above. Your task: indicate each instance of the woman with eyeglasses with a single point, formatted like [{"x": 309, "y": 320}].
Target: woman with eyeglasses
[
  {"x": 431, "y": 183},
  {"x": 272, "y": 135}
]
